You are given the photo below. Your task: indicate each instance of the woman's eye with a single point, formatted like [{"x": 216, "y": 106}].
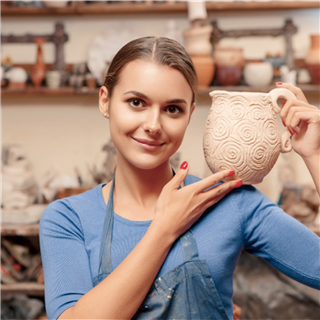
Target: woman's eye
[
  {"x": 135, "y": 103},
  {"x": 174, "y": 110}
]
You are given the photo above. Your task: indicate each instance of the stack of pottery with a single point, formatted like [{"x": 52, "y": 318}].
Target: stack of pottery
[
  {"x": 197, "y": 43},
  {"x": 199, "y": 48},
  {"x": 313, "y": 59},
  {"x": 229, "y": 62}
]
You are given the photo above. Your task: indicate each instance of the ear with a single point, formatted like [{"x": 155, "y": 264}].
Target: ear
[
  {"x": 192, "y": 109},
  {"x": 104, "y": 102}
]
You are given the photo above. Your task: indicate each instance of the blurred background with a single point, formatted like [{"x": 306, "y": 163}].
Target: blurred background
[{"x": 55, "y": 142}]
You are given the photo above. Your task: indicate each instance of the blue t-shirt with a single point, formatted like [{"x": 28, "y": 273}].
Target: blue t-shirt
[{"x": 71, "y": 229}]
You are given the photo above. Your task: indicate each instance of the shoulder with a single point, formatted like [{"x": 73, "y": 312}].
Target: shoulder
[{"x": 69, "y": 213}]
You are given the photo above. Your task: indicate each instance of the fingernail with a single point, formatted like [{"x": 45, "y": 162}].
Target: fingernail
[
  {"x": 184, "y": 165},
  {"x": 283, "y": 103},
  {"x": 231, "y": 173},
  {"x": 290, "y": 132},
  {"x": 279, "y": 83},
  {"x": 283, "y": 123},
  {"x": 238, "y": 184}
]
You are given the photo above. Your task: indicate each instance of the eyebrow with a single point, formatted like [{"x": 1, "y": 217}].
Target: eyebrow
[{"x": 143, "y": 96}]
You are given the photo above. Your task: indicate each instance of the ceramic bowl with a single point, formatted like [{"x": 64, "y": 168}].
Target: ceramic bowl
[{"x": 258, "y": 74}]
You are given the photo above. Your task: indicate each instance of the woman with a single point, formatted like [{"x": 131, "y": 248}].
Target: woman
[{"x": 113, "y": 252}]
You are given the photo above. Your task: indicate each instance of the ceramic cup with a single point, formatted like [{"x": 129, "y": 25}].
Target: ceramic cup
[
  {"x": 242, "y": 134},
  {"x": 53, "y": 79}
]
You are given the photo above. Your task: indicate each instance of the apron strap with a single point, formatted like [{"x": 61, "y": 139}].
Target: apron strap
[
  {"x": 189, "y": 246},
  {"x": 105, "y": 248}
]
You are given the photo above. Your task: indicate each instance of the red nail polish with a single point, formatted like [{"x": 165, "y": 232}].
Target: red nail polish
[
  {"x": 290, "y": 132},
  {"x": 283, "y": 123},
  {"x": 295, "y": 131},
  {"x": 279, "y": 83},
  {"x": 184, "y": 165},
  {"x": 283, "y": 103},
  {"x": 231, "y": 173},
  {"x": 238, "y": 184}
]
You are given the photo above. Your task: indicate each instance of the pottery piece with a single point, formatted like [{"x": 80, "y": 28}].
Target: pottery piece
[
  {"x": 258, "y": 74},
  {"x": 17, "y": 78},
  {"x": 197, "y": 40},
  {"x": 228, "y": 56},
  {"x": 241, "y": 133},
  {"x": 205, "y": 68},
  {"x": 229, "y": 76},
  {"x": 312, "y": 59},
  {"x": 39, "y": 70},
  {"x": 53, "y": 79}
]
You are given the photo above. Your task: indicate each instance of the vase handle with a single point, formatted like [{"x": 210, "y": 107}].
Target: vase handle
[{"x": 286, "y": 94}]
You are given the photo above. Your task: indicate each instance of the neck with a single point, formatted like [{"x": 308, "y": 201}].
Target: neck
[{"x": 138, "y": 187}]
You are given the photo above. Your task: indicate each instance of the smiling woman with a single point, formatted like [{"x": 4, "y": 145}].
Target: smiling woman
[{"x": 154, "y": 244}]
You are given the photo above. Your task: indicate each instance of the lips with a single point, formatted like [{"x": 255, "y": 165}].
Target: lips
[{"x": 149, "y": 142}]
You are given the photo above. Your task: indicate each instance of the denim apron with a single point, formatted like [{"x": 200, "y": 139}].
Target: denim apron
[{"x": 185, "y": 292}]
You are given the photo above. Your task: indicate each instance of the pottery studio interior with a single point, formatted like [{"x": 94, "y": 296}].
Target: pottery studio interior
[{"x": 250, "y": 56}]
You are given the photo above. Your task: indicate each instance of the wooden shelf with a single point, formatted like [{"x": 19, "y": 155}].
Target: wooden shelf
[
  {"x": 29, "y": 288},
  {"x": 20, "y": 230},
  {"x": 79, "y": 8},
  {"x": 31, "y": 91}
]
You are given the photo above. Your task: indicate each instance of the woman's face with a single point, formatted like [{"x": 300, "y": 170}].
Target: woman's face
[{"x": 149, "y": 112}]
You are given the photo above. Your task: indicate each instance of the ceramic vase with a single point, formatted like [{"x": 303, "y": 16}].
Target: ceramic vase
[
  {"x": 258, "y": 74},
  {"x": 39, "y": 70},
  {"x": 205, "y": 69},
  {"x": 241, "y": 133},
  {"x": 312, "y": 59},
  {"x": 197, "y": 44},
  {"x": 229, "y": 65}
]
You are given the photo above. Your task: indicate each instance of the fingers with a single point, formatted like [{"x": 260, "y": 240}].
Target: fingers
[
  {"x": 295, "y": 90},
  {"x": 213, "y": 195},
  {"x": 295, "y": 111},
  {"x": 213, "y": 179},
  {"x": 179, "y": 177}
]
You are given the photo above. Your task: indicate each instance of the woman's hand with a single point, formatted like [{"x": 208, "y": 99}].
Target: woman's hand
[
  {"x": 303, "y": 121},
  {"x": 178, "y": 209}
]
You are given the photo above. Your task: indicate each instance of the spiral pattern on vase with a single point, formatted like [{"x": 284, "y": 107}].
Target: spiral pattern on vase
[
  {"x": 220, "y": 102},
  {"x": 247, "y": 132},
  {"x": 231, "y": 155},
  {"x": 259, "y": 112},
  {"x": 270, "y": 131},
  {"x": 238, "y": 106},
  {"x": 221, "y": 128}
]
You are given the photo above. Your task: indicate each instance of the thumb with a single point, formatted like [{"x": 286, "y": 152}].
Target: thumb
[{"x": 180, "y": 175}]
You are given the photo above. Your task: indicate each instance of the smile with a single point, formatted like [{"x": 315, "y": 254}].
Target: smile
[{"x": 147, "y": 144}]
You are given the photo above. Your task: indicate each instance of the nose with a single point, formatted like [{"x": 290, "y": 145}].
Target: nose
[{"x": 152, "y": 123}]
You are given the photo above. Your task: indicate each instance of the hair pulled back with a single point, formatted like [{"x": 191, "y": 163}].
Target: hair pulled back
[{"x": 161, "y": 50}]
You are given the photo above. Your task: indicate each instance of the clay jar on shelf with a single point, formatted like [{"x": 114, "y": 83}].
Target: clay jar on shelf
[
  {"x": 229, "y": 64},
  {"x": 39, "y": 70},
  {"x": 312, "y": 59},
  {"x": 197, "y": 43},
  {"x": 242, "y": 134},
  {"x": 258, "y": 74}
]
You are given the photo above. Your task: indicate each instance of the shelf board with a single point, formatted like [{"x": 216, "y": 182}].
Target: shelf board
[
  {"x": 29, "y": 288},
  {"x": 20, "y": 230},
  {"x": 154, "y": 7},
  {"x": 202, "y": 92}
]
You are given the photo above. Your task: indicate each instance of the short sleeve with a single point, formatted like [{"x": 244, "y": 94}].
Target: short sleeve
[{"x": 65, "y": 260}]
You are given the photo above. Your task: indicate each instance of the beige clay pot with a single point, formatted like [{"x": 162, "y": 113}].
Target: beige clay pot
[
  {"x": 197, "y": 40},
  {"x": 228, "y": 56},
  {"x": 241, "y": 133}
]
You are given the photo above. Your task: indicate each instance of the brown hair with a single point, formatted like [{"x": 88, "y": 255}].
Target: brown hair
[{"x": 160, "y": 50}]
